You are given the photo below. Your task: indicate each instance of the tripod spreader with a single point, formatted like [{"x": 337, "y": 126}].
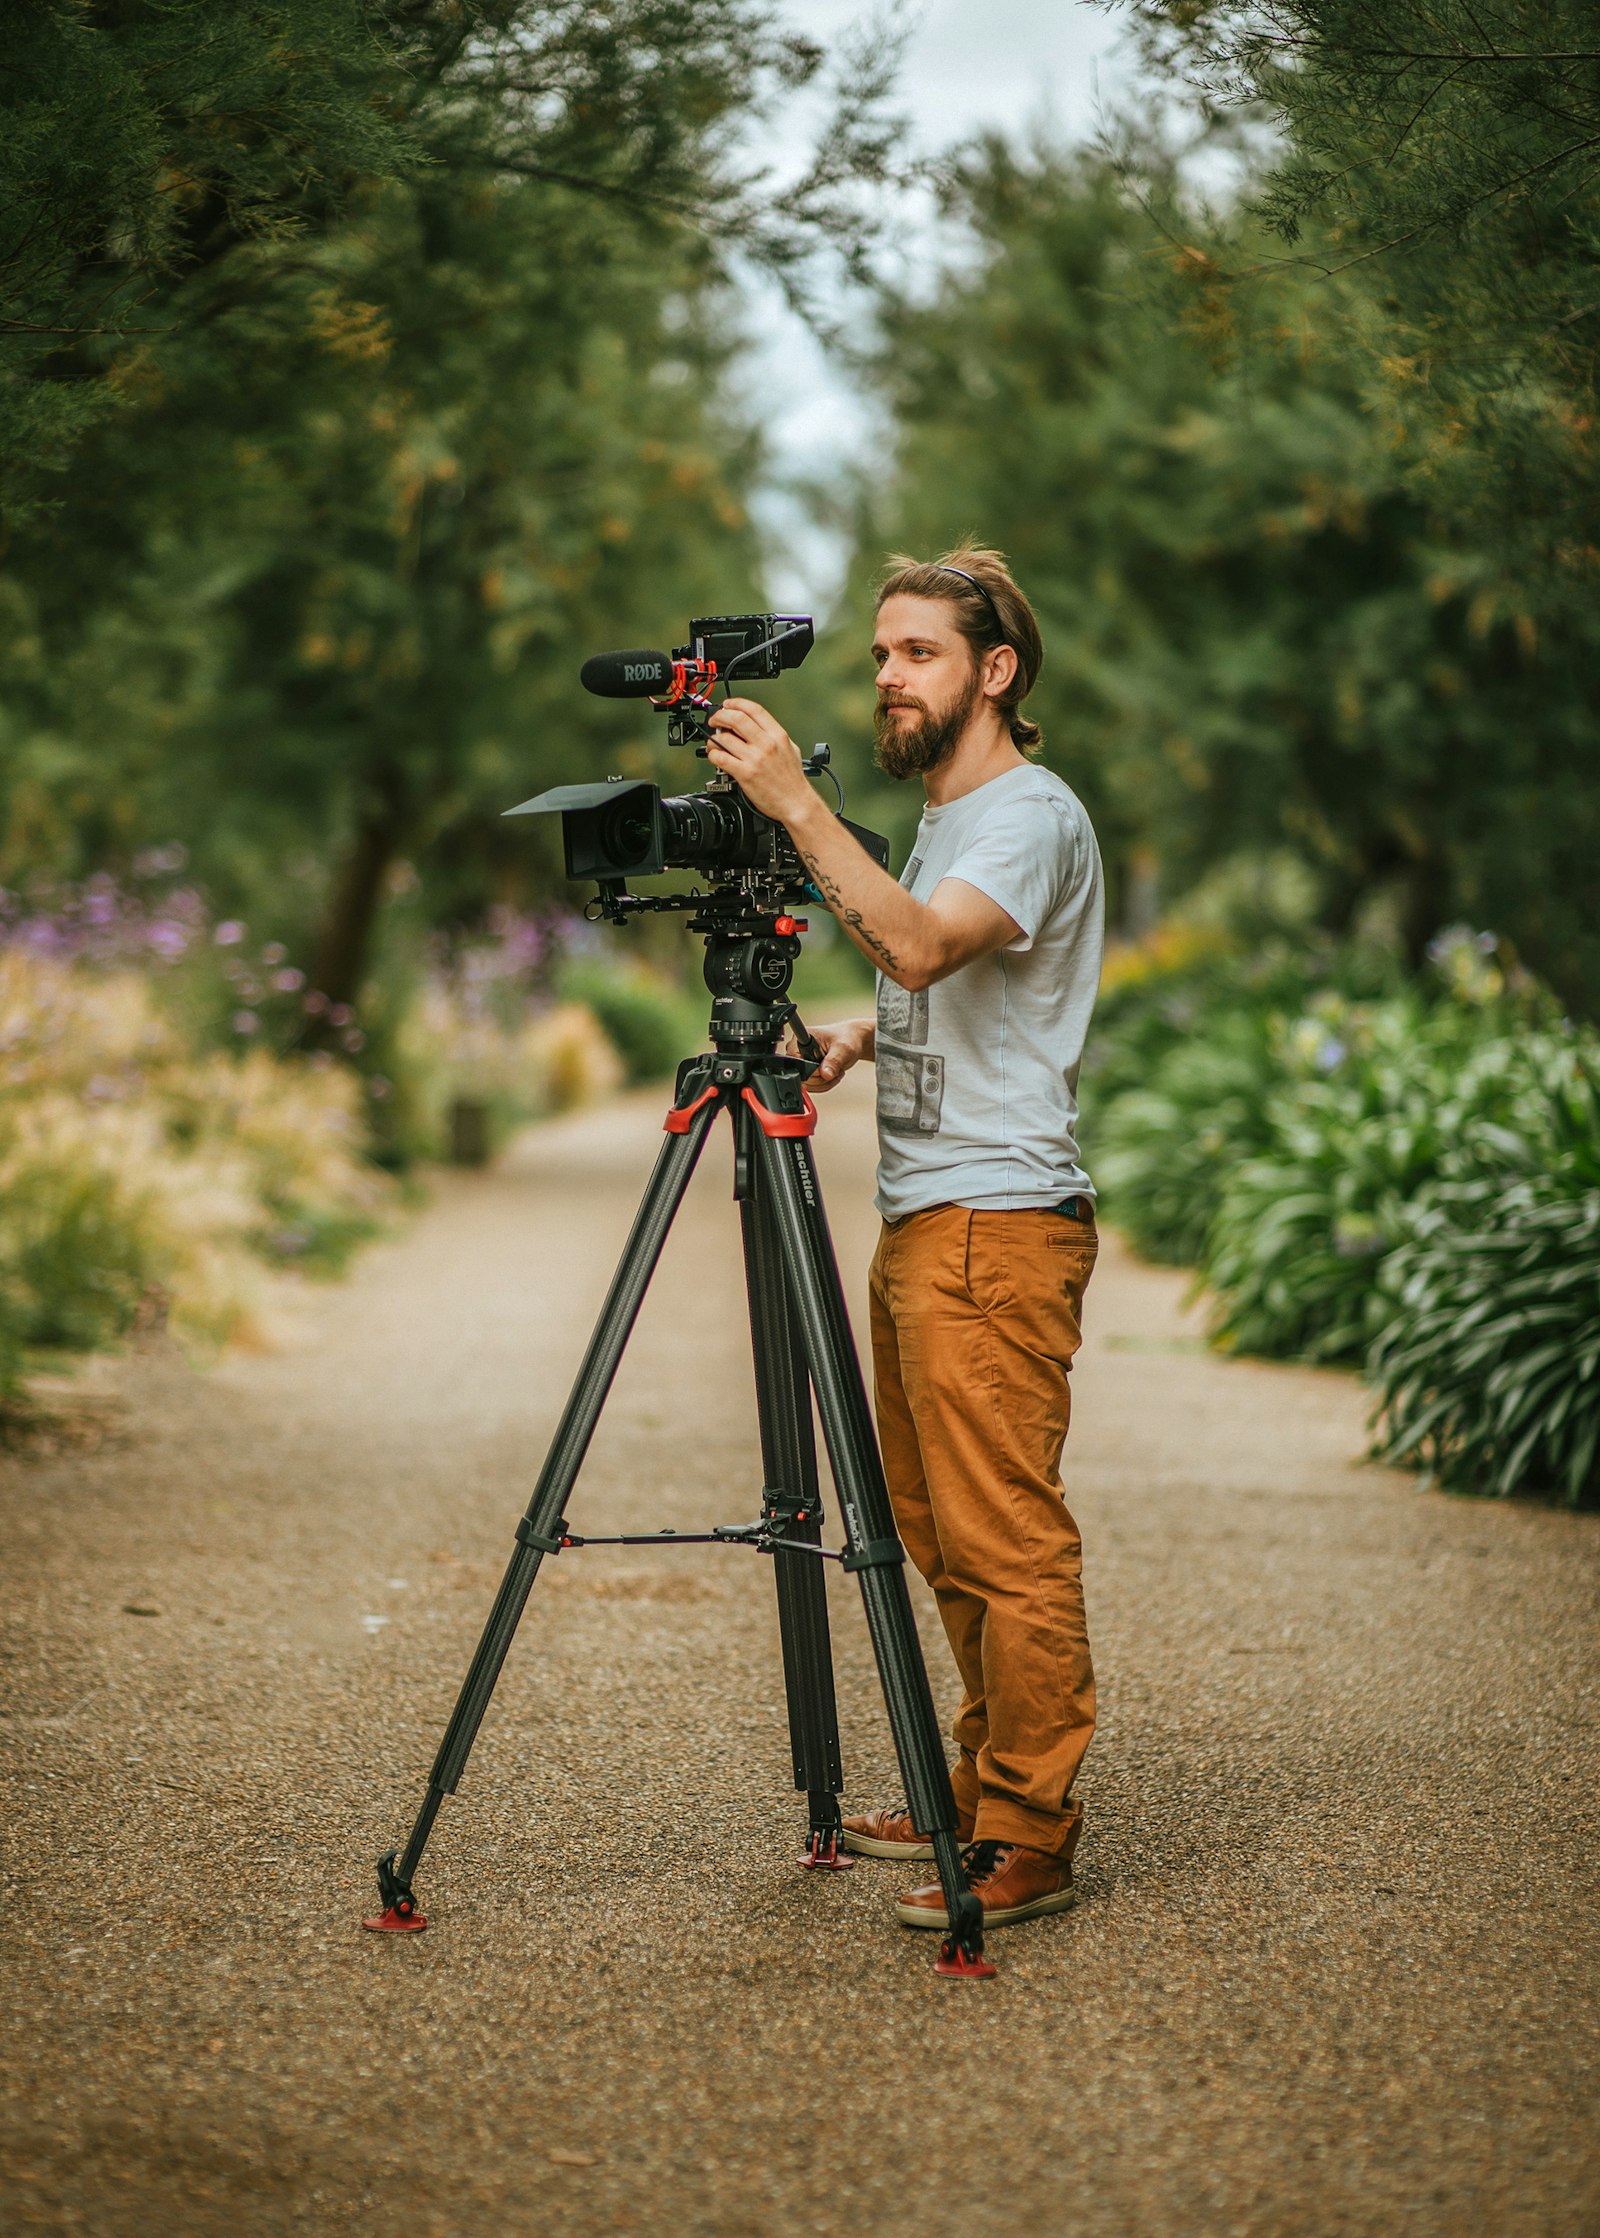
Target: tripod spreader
[{"x": 802, "y": 1343}]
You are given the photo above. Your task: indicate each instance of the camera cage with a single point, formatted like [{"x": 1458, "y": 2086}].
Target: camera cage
[{"x": 624, "y": 828}]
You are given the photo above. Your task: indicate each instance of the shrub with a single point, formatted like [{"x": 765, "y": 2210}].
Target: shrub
[
  {"x": 1406, "y": 1180},
  {"x": 127, "y": 1161},
  {"x": 649, "y": 1019},
  {"x": 1488, "y": 1370},
  {"x": 1371, "y": 1100},
  {"x": 1168, "y": 1147},
  {"x": 521, "y": 1063}
]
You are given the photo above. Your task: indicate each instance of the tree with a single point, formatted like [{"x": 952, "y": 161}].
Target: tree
[
  {"x": 144, "y": 142},
  {"x": 1260, "y": 632},
  {"x": 324, "y": 576},
  {"x": 1447, "y": 151}
]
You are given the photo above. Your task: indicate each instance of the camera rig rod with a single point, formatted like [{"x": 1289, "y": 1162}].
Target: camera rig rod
[{"x": 801, "y": 1341}]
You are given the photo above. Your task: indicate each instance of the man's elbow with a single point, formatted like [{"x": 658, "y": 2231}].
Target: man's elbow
[{"x": 918, "y": 971}]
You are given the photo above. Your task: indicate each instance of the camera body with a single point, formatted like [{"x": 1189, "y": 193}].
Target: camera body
[{"x": 625, "y": 828}]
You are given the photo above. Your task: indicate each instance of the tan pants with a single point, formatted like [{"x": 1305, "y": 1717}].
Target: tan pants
[{"x": 975, "y": 1319}]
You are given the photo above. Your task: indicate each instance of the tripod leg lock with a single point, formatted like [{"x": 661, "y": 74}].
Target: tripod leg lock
[
  {"x": 527, "y": 1536},
  {"x": 399, "y": 1915},
  {"x": 876, "y": 1554}
]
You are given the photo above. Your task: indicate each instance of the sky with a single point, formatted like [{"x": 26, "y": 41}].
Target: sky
[{"x": 970, "y": 66}]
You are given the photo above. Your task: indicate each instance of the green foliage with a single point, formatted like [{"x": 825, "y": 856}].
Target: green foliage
[
  {"x": 140, "y": 145},
  {"x": 1186, "y": 1057},
  {"x": 77, "y": 1256},
  {"x": 1488, "y": 1365},
  {"x": 1378, "y": 1103},
  {"x": 1275, "y": 616},
  {"x": 649, "y": 1019},
  {"x": 404, "y": 426},
  {"x": 1453, "y": 139},
  {"x": 1406, "y": 1180},
  {"x": 1169, "y": 1145}
]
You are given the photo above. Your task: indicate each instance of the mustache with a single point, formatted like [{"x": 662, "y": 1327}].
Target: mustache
[{"x": 886, "y": 702}]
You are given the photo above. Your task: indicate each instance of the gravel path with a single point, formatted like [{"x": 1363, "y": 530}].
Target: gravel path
[{"x": 1336, "y": 1962}]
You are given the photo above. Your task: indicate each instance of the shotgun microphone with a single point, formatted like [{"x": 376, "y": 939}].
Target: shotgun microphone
[{"x": 630, "y": 675}]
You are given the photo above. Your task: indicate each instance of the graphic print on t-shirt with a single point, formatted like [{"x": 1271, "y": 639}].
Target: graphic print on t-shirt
[
  {"x": 910, "y": 1083},
  {"x": 902, "y": 1015},
  {"x": 910, "y": 1091}
]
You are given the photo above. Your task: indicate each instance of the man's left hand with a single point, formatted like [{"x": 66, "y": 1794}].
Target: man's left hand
[{"x": 756, "y": 751}]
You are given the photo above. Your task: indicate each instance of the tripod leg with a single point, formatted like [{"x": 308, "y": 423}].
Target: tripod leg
[
  {"x": 539, "y": 1532},
  {"x": 789, "y": 1466},
  {"x": 789, "y": 1180}
]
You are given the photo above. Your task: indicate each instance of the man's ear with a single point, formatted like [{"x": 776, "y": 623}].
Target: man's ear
[{"x": 999, "y": 670}]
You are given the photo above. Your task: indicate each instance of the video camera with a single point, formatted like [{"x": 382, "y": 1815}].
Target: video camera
[{"x": 624, "y": 828}]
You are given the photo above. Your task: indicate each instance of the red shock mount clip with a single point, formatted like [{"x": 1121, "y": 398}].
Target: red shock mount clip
[{"x": 691, "y": 680}]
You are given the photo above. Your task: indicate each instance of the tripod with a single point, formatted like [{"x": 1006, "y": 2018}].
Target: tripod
[{"x": 801, "y": 1341}]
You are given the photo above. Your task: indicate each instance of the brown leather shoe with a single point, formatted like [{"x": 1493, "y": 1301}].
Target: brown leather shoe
[
  {"x": 890, "y": 1833},
  {"x": 1011, "y": 1883}
]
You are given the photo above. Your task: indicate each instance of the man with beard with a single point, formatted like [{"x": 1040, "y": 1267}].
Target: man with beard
[{"x": 988, "y": 955}]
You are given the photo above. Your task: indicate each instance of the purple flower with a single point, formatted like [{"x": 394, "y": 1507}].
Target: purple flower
[
  {"x": 157, "y": 862},
  {"x": 274, "y": 952},
  {"x": 245, "y": 1021},
  {"x": 353, "y": 1039},
  {"x": 229, "y": 933},
  {"x": 289, "y": 982},
  {"x": 341, "y": 1014},
  {"x": 314, "y": 1004},
  {"x": 167, "y": 938}
]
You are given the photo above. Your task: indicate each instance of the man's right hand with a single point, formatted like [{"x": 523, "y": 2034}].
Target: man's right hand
[{"x": 842, "y": 1046}]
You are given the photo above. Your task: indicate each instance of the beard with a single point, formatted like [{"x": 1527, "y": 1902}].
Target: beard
[{"x": 908, "y": 749}]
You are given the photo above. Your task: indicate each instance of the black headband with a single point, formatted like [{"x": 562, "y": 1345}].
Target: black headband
[{"x": 984, "y": 592}]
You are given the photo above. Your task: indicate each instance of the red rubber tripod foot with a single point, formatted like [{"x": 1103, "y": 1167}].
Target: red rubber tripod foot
[
  {"x": 823, "y": 1855},
  {"x": 395, "y": 1922},
  {"x": 963, "y": 1965}
]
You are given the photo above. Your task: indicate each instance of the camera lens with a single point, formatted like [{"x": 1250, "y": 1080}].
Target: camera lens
[
  {"x": 627, "y": 833},
  {"x": 708, "y": 831}
]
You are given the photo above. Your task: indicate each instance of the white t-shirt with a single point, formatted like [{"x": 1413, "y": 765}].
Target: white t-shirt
[{"x": 978, "y": 1075}]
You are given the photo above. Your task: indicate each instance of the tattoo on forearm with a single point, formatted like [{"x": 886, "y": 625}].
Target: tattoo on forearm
[{"x": 852, "y": 919}]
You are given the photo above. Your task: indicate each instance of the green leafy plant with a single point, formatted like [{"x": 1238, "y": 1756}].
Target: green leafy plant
[
  {"x": 1488, "y": 1367},
  {"x": 1370, "y": 1101}
]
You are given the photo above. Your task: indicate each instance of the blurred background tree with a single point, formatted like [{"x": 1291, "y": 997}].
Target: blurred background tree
[
  {"x": 1267, "y": 628},
  {"x": 384, "y": 377}
]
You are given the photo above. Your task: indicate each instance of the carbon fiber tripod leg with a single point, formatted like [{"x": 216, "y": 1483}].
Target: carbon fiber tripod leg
[
  {"x": 539, "y": 1532},
  {"x": 789, "y": 1467},
  {"x": 788, "y": 1180}
]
